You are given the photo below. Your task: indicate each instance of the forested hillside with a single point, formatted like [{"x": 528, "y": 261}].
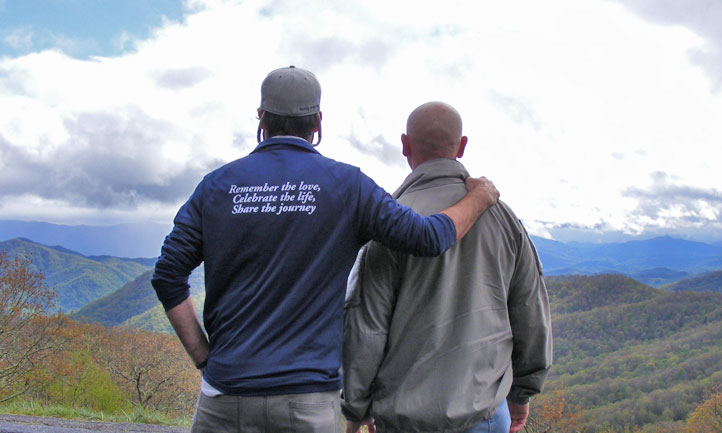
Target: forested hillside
[
  {"x": 136, "y": 305},
  {"x": 155, "y": 319},
  {"x": 627, "y": 353},
  {"x": 633, "y": 355},
  {"x": 78, "y": 279},
  {"x": 628, "y": 357},
  {"x": 711, "y": 281}
]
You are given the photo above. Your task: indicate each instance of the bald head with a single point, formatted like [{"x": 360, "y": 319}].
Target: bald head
[{"x": 433, "y": 130}]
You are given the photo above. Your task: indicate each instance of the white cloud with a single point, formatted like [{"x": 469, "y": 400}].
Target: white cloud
[
  {"x": 667, "y": 204},
  {"x": 567, "y": 104},
  {"x": 25, "y": 39},
  {"x": 20, "y": 38},
  {"x": 701, "y": 16}
]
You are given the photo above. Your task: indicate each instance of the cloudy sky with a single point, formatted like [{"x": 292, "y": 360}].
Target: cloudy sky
[{"x": 597, "y": 119}]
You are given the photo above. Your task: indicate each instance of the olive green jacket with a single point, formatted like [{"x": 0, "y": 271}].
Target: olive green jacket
[{"x": 436, "y": 344}]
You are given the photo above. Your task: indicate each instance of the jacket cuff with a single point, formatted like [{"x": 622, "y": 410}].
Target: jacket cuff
[
  {"x": 348, "y": 414},
  {"x": 518, "y": 396},
  {"x": 175, "y": 300}
]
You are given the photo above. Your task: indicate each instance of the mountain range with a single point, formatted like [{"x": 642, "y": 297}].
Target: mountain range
[
  {"x": 117, "y": 291},
  {"x": 78, "y": 279},
  {"x": 626, "y": 352},
  {"x": 656, "y": 261},
  {"x": 92, "y": 261},
  {"x": 120, "y": 240}
]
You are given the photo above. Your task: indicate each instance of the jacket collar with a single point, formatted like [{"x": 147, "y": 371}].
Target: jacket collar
[
  {"x": 285, "y": 139},
  {"x": 431, "y": 173}
]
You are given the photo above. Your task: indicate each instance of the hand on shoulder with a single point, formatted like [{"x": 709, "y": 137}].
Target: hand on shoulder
[{"x": 484, "y": 187}]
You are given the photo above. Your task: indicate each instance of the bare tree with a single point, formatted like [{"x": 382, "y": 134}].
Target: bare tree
[
  {"x": 554, "y": 412},
  {"x": 153, "y": 368},
  {"x": 27, "y": 334}
]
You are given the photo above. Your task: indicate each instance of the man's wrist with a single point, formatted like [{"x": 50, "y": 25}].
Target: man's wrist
[
  {"x": 201, "y": 365},
  {"x": 518, "y": 400}
]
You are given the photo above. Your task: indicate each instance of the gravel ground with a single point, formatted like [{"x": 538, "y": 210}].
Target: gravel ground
[{"x": 36, "y": 424}]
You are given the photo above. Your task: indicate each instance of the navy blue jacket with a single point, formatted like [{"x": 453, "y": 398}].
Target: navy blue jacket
[{"x": 278, "y": 231}]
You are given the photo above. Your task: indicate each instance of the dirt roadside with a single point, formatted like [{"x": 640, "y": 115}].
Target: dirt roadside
[{"x": 35, "y": 424}]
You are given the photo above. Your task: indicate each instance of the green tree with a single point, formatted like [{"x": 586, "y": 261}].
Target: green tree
[{"x": 80, "y": 382}]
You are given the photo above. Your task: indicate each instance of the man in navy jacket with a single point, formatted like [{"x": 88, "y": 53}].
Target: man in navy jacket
[{"x": 278, "y": 232}]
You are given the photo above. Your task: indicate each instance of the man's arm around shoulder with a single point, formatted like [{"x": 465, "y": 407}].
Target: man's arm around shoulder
[{"x": 481, "y": 195}]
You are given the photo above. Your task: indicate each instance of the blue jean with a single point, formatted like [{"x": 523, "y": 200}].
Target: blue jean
[{"x": 498, "y": 423}]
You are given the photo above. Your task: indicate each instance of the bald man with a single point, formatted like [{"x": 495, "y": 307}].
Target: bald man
[{"x": 457, "y": 343}]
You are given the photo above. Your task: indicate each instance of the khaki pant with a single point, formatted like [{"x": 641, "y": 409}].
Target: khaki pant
[{"x": 318, "y": 412}]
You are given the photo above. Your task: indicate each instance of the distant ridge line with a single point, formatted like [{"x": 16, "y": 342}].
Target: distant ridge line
[{"x": 132, "y": 240}]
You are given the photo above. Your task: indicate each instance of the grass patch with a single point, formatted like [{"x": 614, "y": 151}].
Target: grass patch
[{"x": 137, "y": 415}]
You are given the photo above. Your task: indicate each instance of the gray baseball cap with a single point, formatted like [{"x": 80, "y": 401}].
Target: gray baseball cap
[{"x": 291, "y": 92}]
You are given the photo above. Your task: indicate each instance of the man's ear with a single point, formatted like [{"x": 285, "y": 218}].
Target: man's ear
[
  {"x": 462, "y": 146},
  {"x": 261, "y": 126},
  {"x": 405, "y": 145},
  {"x": 318, "y": 124}
]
